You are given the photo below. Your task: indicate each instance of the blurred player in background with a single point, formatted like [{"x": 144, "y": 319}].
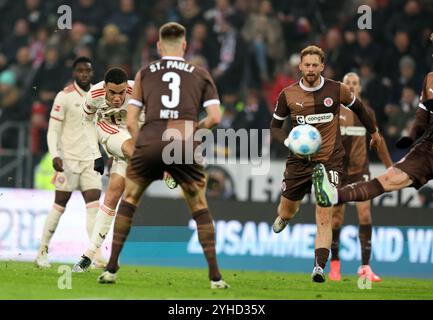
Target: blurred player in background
[
  {"x": 173, "y": 93},
  {"x": 72, "y": 159},
  {"x": 317, "y": 101},
  {"x": 355, "y": 169}
]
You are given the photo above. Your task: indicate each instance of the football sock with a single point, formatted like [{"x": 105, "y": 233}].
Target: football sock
[
  {"x": 206, "y": 236},
  {"x": 92, "y": 210},
  {"x": 321, "y": 257},
  {"x": 122, "y": 226},
  {"x": 365, "y": 240},
  {"x": 103, "y": 221},
  {"x": 50, "y": 225},
  {"x": 361, "y": 191},
  {"x": 335, "y": 245}
]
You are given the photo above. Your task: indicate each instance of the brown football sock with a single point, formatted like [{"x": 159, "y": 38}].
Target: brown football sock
[
  {"x": 360, "y": 191},
  {"x": 335, "y": 245},
  {"x": 321, "y": 257},
  {"x": 206, "y": 236},
  {"x": 365, "y": 240},
  {"x": 122, "y": 225}
]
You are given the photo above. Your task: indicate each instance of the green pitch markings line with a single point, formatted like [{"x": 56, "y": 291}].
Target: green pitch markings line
[{"x": 22, "y": 280}]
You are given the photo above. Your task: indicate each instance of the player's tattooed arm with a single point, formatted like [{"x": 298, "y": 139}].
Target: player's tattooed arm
[
  {"x": 383, "y": 154},
  {"x": 382, "y": 151},
  {"x": 277, "y": 132}
]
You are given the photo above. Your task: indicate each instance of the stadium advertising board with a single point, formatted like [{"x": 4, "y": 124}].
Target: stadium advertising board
[
  {"x": 234, "y": 181},
  {"x": 164, "y": 234},
  {"x": 402, "y": 238},
  {"x": 22, "y": 216}
]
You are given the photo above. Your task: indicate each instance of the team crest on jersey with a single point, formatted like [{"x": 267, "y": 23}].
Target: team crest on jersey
[
  {"x": 300, "y": 119},
  {"x": 328, "y": 102},
  {"x": 283, "y": 187},
  {"x": 61, "y": 179}
]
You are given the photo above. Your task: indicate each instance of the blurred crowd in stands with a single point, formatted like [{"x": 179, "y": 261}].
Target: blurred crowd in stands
[{"x": 249, "y": 46}]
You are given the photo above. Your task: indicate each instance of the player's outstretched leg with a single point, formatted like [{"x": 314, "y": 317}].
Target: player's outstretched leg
[{"x": 324, "y": 191}]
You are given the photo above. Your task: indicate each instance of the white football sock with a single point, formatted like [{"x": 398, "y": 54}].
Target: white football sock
[
  {"x": 103, "y": 222},
  {"x": 92, "y": 209},
  {"x": 50, "y": 225}
]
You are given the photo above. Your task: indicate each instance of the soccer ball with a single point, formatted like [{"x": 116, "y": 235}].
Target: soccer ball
[{"x": 304, "y": 140}]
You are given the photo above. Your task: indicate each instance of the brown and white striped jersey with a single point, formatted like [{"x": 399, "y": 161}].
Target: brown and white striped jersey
[{"x": 320, "y": 107}]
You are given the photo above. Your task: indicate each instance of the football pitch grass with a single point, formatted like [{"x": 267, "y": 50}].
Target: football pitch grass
[{"x": 22, "y": 280}]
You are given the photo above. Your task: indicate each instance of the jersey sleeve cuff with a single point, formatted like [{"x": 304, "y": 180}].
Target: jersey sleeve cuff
[
  {"x": 211, "y": 102},
  {"x": 279, "y": 118},
  {"x": 135, "y": 103}
]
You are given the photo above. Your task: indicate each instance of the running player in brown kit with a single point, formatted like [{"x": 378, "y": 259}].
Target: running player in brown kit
[
  {"x": 355, "y": 168},
  {"x": 172, "y": 93},
  {"x": 316, "y": 101}
]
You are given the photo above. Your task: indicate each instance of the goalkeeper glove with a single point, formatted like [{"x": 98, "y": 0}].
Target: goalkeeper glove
[{"x": 99, "y": 165}]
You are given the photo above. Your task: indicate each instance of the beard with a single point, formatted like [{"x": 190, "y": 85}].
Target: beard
[{"x": 311, "y": 78}]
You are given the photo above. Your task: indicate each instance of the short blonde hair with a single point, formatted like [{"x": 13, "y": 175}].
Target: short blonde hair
[{"x": 313, "y": 50}]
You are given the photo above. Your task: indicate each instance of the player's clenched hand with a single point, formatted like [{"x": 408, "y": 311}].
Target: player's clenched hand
[
  {"x": 58, "y": 164},
  {"x": 375, "y": 141},
  {"x": 99, "y": 165}
]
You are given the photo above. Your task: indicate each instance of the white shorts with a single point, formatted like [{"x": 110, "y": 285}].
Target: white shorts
[
  {"x": 77, "y": 175},
  {"x": 112, "y": 137}
]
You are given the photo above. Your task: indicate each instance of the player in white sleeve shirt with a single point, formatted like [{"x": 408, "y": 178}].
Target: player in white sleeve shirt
[
  {"x": 106, "y": 106},
  {"x": 72, "y": 158}
]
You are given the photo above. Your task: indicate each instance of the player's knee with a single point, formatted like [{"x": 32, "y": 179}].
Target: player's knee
[
  {"x": 91, "y": 195},
  {"x": 394, "y": 179},
  {"x": 62, "y": 198},
  {"x": 128, "y": 148}
]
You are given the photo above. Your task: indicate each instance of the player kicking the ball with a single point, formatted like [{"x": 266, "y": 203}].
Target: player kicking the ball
[
  {"x": 108, "y": 101},
  {"x": 314, "y": 100},
  {"x": 173, "y": 92}
]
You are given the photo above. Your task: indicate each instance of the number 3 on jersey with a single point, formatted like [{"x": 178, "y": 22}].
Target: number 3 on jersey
[{"x": 172, "y": 101}]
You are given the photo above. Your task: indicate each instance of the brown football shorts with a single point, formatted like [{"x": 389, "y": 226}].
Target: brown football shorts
[
  {"x": 147, "y": 164},
  {"x": 298, "y": 176},
  {"x": 418, "y": 164}
]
